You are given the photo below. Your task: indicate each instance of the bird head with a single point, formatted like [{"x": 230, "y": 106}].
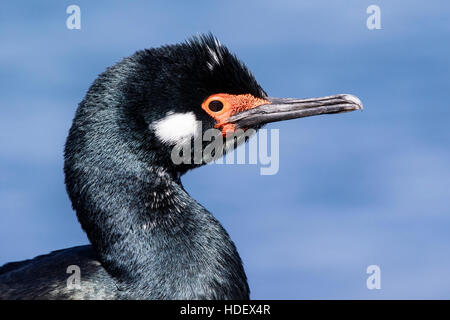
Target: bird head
[{"x": 166, "y": 97}]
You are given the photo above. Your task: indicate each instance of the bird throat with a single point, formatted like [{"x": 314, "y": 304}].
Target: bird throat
[{"x": 158, "y": 243}]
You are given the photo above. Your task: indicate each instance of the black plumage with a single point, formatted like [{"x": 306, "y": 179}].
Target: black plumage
[
  {"x": 149, "y": 238},
  {"x": 154, "y": 240}
]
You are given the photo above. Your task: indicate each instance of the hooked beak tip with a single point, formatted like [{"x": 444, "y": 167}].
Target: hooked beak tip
[{"x": 354, "y": 100}]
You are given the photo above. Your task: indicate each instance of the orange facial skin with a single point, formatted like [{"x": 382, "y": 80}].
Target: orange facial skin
[{"x": 232, "y": 104}]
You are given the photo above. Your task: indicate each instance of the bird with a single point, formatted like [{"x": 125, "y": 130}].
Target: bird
[{"x": 149, "y": 239}]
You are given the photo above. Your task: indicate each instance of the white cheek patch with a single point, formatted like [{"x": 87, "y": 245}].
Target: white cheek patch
[{"x": 176, "y": 127}]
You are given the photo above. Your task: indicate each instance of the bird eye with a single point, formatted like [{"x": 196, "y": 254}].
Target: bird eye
[{"x": 215, "y": 105}]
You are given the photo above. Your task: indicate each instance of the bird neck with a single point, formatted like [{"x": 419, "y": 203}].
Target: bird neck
[
  {"x": 150, "y": 235},
  {"x": 157, "y": 241}
]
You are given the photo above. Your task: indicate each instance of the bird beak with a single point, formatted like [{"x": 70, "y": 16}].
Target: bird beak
[{"x": 279, "y": 109}]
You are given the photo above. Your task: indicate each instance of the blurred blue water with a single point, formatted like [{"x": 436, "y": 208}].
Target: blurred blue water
[{"x": 353, "y": 190}]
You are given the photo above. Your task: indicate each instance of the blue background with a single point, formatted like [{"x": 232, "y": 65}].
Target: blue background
[{"x": 354, "y": 189}]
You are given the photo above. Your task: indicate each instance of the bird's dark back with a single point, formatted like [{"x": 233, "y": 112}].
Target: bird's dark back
[{"x": 45, "y": 277}]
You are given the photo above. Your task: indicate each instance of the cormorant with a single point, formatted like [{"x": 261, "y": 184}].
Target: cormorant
[{"x": 149, "y": 238}]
